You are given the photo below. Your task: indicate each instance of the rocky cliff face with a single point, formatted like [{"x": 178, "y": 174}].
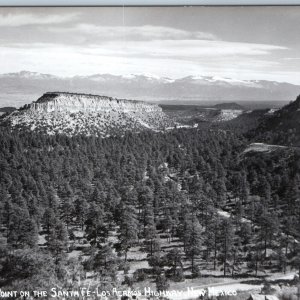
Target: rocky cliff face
[
  {"x": 71, "y": 102},
  {"x": 70, "y": 113}
]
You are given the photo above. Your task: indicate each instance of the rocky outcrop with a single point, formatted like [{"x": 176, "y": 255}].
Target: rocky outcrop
[
  {"x": 71, "y": 114},
  {"x": 71, "y": 102}
]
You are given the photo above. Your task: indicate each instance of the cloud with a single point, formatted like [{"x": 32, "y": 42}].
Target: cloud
[
  {"x": 188, "y": 50},
  {"x": 180, "y": 49},
  {"x": 16, "y": 20},
  {"x": 147, "y": 32},
  {"x": 163, "y": 58},
  {"x": 85, "y": 49}
]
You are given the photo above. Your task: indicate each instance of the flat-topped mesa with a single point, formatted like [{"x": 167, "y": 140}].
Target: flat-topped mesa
[
  {"x": 73, "y": 102},
  {"x": 72, "y": 114}
]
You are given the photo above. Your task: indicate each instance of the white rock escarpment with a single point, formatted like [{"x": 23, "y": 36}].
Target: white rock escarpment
[
  {"x": 70, "y": 102},
  {"x": 70, "y": 113}
]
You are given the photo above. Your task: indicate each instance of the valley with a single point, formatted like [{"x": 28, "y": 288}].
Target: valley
[
  {"x": 105, "y": 194},
  {"x": 193, "y": 114}
]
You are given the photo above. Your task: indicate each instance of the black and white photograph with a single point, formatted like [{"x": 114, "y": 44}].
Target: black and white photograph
[{"x": 150, "y": 152}]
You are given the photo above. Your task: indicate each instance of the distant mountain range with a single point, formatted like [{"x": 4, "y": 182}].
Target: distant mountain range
[{"x": 24, "y": 87}]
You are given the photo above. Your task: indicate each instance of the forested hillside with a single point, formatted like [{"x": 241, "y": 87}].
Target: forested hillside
[
  {"x": 282, "y": 128},
  {"x": 150, "y": 207}
]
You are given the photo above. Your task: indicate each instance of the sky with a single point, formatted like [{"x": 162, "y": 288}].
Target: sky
[{"x": 248, "y": 43}]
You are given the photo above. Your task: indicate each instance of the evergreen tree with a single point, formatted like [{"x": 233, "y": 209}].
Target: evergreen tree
[
  {"x": 105, "y": 263},
  {"x": 29, "y": 269},
  {"x": 268, "y": 229},
  {"x": 161, "y": 283},
  {"x": 227, "y": 235},
  {"x": 194, "y": 241},
  {"x": 174, "y": 260},
  {"x": 22, "y": 229},
  {"x": 96, "y": 228},
  {"x": 128, "y": 228},
  {"x": 48, "y": 219},
  {"x": 58, "y": 241},
  {"x": 81, "y": 210}
]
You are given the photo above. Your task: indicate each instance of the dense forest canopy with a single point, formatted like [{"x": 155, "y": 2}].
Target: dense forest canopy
[{"x": 226, "y": 208}]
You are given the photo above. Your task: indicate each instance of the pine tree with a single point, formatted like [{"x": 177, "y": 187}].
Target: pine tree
[
  {"x": 268, "y": 229},
  {"x": 174, "y": 260},
  {"x": 213, "y": 238},
  {"x": 149, "y": 227},
  {"x": 96, "y": 228},
  {"x": 256, "y": 257},
  {"x": 237, "y": 257},
  {"x": 22, "y": 229},
  {"x": 194, "y": 241},
  {"x": 162, "y": 283},
  {"x": 98, "y": 196},
  {"x": 58, "y": 241},
  {"x": 29, "y": 269},
  {"x": 48, "y": 219},
  {"x": 105, "y": 263},
  {"x": 81, "y": 210},
  {"x": 227, "y": 235},
  {"x": 6, "y": 215},
  {"x": 296, "y": 259},
  {"x": 128, "y": 228},
  {"x": 68, "y": 210}
]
